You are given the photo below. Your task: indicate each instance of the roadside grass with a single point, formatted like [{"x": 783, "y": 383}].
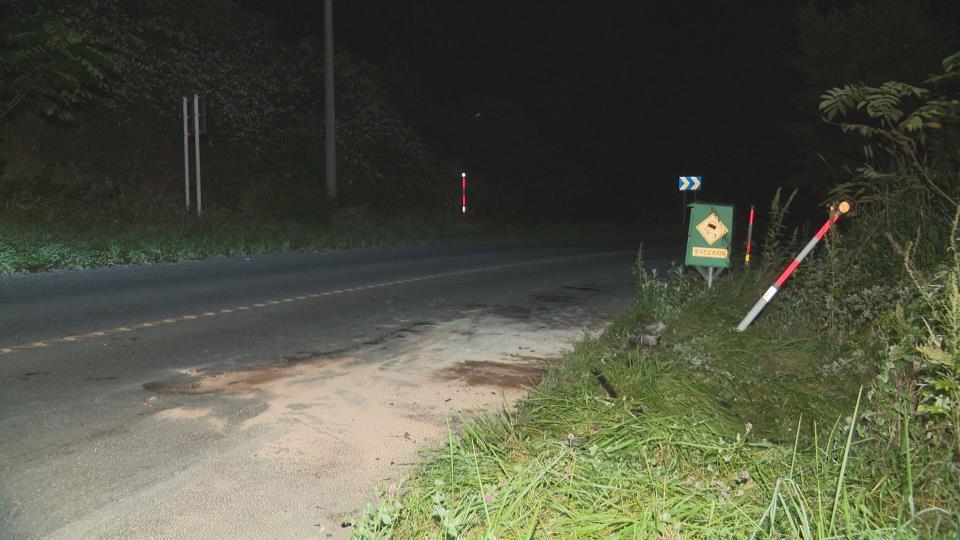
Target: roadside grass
[
  {"x": 30, "y": 245},
  {"x": 713, "y": 433}
]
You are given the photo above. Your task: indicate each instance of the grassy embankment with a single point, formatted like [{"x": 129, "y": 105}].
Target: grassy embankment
[
  {"x": 29, "y": 246},
  {"x": 712, "y": 433}
]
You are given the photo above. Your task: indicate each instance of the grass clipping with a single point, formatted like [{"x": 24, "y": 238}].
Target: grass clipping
[{"x": 712, "y": 434}]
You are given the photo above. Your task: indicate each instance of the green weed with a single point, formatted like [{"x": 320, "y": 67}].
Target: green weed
[{"x": 713, "y": 434}]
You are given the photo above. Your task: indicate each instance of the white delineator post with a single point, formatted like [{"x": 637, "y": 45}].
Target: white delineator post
[
  {"x": 463, "y": 192},
  {"x": 785, "y": 275},
  {"x": 186, "y": 150},
  {"x": 196, "y": 148}
]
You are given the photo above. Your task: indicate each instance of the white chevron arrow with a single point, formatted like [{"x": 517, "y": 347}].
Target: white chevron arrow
[{"x": 689, "y": 183}]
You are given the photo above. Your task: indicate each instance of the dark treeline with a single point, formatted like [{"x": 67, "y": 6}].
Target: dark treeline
[
  {"x": 557, "y": 109},
  {"x": 596, "y": 107}
]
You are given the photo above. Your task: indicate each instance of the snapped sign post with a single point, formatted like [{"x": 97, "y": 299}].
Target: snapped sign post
[{"x": 709, "y": 238}]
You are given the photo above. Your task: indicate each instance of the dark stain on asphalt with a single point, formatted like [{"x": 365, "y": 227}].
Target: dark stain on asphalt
[
  {"x": 301, "y": 356},
  {"x": 513, "y": 312},
  {"x": 552, "y": 297},
  {"x": 416, "y": 328},
  {"x": 26, "y": 376},
  {"x": 583, "y": 288},
  {"x": 489, "y": 373},
  {"x": 232, "y": 382},
  {"x": 160, "y": 387}
]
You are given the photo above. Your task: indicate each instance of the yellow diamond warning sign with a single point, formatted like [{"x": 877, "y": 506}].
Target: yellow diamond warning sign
[
  {"x": 709, "y": 235},
  {"x": 712, "y": 229}
]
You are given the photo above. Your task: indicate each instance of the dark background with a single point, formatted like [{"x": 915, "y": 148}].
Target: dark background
[
  {"x": 595, "y": 108},
  {"x": 557, "y": 109}
]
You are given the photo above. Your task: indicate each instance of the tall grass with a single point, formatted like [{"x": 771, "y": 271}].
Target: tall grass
[{"x": 715, "y": 437}]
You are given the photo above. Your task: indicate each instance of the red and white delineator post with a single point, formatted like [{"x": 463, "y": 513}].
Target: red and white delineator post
[
  {"x": 785, "y": 275},
  {"x": 463, "y": 192}
]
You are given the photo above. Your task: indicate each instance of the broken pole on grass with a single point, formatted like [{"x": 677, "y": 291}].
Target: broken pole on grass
[{"x": 788, "y": 271}]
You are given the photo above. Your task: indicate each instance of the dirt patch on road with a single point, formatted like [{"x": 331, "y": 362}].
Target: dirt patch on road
[
  {"x": 489, "y": 373},
  {"x": 351, "y": 423},
  {"x": 230, "y": 383},
  {"x": 185, "y": 413}
]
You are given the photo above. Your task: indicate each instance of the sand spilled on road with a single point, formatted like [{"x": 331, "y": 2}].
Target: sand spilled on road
[
  {"x": 186, "y": 413},
  {"x": 355, "y": 423}
]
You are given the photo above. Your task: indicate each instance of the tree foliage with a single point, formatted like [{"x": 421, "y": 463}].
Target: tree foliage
[
  {"x": 896, "y": 119},
  {"x": 264, "y": 91},
  {"x": 909, "y": 188},
  {"x": 866, "y": 43},
  {"x": 50, "y": 65}
]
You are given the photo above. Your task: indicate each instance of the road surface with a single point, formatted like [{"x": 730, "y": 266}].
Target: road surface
[{"x": 269, "y": 396}]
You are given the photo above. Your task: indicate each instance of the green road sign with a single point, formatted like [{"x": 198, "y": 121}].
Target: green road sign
[{"x": 710, "y": 234}]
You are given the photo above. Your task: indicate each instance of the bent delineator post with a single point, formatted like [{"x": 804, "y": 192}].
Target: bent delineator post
[{"x": 785, "y": 275}]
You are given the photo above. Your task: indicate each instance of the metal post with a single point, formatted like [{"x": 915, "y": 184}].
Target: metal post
[
  {"x": 785, "y": 275},
  {"x": 746, "y": 258},
  {"x": 186, "y": 150},
  {"x": 196, "y": 148},
  {"x": 331, "y": 128},
  {"x": 710, "y": 278}
]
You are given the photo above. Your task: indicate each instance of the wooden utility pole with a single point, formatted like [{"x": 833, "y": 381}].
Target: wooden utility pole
[{"x": 331, "y": 128}]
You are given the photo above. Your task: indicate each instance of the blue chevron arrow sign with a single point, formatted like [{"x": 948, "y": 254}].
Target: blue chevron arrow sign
[{"x": 689, "y": 183}]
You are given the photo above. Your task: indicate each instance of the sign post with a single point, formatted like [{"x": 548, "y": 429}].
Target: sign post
[
  {"x": 685, "y": 184},
  {"x": 709, "y": 238},
  {"x": 196, "y": 150},
  {"x": 186, "y": 150},
  {"x": 198, "y": 113}
]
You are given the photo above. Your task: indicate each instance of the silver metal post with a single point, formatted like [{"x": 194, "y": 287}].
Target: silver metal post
[
  {"x": 196, "y": 148},
  {"x": 186, "y": 151},
  {"x": 331, "y": 128},
  {"x": 757, "y": 308},
  {"x": 710, "y": 278}
]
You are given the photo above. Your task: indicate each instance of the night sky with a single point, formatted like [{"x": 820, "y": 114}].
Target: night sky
[{"x": 588, "y": 107}]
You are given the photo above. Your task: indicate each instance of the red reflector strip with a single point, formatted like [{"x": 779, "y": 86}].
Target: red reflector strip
[
  {"x": 786, "y": 273},
  {"x": 823, "y": 230}
]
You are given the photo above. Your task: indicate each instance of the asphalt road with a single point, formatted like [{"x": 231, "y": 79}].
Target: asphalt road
[{"x": 88, "y": 360}]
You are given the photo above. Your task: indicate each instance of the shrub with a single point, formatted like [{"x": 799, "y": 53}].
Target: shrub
[{"x": 663, "y": 299}]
